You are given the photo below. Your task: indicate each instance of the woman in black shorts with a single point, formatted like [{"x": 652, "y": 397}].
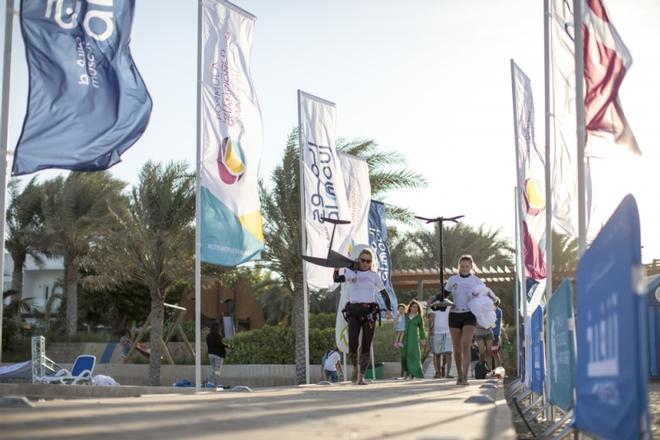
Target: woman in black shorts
[{"x": 461, "y": 321}]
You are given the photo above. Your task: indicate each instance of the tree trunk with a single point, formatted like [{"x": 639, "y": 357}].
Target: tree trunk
[
  {"x": 71, "y": 294},
  {"x": 298, "y": 320},
  {"x": 155, "y": 336},
  {"x": 17, "y": 275}
]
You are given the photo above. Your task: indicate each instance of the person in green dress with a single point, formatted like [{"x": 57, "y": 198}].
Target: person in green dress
[{"x": 414, "y": 336}]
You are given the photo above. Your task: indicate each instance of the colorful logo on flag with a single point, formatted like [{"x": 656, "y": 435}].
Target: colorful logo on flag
[
  {"x": 231, "y": 161},
  {"x": 534, "y": 196}
]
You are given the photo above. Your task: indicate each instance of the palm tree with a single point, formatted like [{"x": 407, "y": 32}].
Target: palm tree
[
  {"x": 24, "y": 227},
  {"x": 74, "y": 210},
  {"x": 153, "y": 243},
  {"x": 281, "y": 210},
  {"x": 485, "y": 245},
  {"x": 564, "y": 252}
]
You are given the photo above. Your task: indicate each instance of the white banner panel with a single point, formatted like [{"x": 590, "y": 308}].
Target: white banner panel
[{"x": 323, "y": 189}]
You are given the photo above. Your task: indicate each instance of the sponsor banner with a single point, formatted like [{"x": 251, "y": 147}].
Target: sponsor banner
[
  {"x": 612, "y": 375},
  {"x": 231, "y": 142},
  {"x": 538, "y": 347},
  {"x": 87, "y": 102},
  {"x": 561, "y": 346},
  {"x": 531, "y": 179},
  {"x": 323, "y": 188},
  {"x": 378, "y": 242}
]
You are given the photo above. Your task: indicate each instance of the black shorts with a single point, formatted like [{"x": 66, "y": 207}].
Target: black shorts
[{"x": 460, "y": 319}]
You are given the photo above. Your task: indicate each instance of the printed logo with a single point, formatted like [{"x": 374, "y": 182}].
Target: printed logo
[
  {"x": 534, "y": 196},
  {"x": 231, "y": 161}
]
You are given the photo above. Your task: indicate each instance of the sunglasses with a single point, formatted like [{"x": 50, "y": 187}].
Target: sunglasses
[{"x": 365, "y": 261}]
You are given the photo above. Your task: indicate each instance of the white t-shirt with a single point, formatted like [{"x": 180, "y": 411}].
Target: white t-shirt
[
  {"x": 462, "y": 290},
  {"x": 331, "y": 361},
  {"x": 362, "y": 285},
  {"x": 441, "y": 321}
]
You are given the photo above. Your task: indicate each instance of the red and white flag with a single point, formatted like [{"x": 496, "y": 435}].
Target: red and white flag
[
  {"x": 606, "y": 60},
  {"x": 608, "y": 134}
]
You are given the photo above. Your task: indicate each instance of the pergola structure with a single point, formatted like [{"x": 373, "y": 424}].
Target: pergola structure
[{"x": 494, "y": 277}]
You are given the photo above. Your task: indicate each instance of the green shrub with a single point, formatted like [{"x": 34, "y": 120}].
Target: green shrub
[
  {"x": 268, "y": 345},
  {"x": 322, "y": 320}
]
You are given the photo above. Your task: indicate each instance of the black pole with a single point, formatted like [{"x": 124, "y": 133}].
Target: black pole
[
  {"x": 439, "y": 221},
  {"x": 442, "y": 265}
]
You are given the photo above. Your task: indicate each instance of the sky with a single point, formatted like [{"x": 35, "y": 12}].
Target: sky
[{"x": 427, "y": 78}]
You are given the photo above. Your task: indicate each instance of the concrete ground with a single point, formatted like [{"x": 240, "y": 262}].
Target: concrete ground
[{"x": 420, "y": 409}]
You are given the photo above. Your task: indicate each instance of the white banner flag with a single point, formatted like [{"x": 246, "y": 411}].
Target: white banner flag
[
  {"x": 530, "y": 173},
  {"x": 358, "y": 190},
  {"x": 231, "y": 144},
  {"x": 323, "y": 191},
  {"x": 358, "y": 194},
  {"x": 564, "y": 158}
]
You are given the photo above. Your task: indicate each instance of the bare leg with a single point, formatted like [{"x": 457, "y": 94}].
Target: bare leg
[
  {"x": 488, "y": 355},
  {"x": 446, "y": 360},
  {"x": 466, "y": 342},
  {"x": 456, "y": 341},
  {"x": 482, "y": 350}
]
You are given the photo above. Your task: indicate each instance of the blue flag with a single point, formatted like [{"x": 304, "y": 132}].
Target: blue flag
[
  {"x": 87, "y": 102},
  {"x": 378, "y": 242},
  {"x": 612, "y": 371}
]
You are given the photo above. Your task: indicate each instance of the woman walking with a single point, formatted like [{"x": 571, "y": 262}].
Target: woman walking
[
  {"x": 462, "y": 322},
  {"x": 411, "y": 357},
  {"x": 362, "y": 310}
]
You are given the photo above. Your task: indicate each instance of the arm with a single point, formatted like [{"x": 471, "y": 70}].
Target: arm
[
  {"x": 338, "y": 278},
  {"x": 386, "y": 298},
  {"x": 422, "y": 333}
]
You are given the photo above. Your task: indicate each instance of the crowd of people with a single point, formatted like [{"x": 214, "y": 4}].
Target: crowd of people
[
  {"x": 457, "y": 327},
  {"x": 455, "y": 323}
]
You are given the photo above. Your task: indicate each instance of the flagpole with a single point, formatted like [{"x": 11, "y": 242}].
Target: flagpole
[
  {"x": 548, "y": 139},
  {"x": 516, "y": 300},
  {"x": 4, "y": 134},
  {"x": 303, "y": 235},
  {"x": 198, "y": 264},
  {"x": 548, "y": 177},
  {"x": 581, "y": 136}
]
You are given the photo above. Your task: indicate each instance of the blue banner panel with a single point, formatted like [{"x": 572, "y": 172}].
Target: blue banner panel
[
  {"x": 561, "y": 346},
  {"x": 87, "y": 102},
  {"x": 378, "y": 242},
  {"x": 611, "y": 330},
  {"x": 538, "y": 361}
]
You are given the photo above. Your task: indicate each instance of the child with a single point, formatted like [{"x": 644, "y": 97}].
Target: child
[
  {"x": 401, "y": 311},
  {"x": 331, "y": 365}
]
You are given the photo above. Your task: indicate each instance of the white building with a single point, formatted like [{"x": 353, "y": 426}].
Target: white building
[{"x": 40, "y": 282}]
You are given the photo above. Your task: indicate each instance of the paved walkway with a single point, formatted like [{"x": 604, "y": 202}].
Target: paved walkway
[{"x": 420, "y": 409}]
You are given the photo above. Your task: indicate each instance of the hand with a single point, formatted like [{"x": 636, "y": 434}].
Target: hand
[{"x": 388, "y": 315}]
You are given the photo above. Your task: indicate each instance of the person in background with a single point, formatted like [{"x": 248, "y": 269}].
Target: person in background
[
  {"x": 361, "y": 311},
  {"x": 441, "y": 344},
  {"x": 411, "y": 357},
  {"x": 474, "y": 357},
  {"x": 332, "y": 364},
  {"x": 495, "y": 348},
  {"x": 217, "y": 350},
  {"x": 401, "y": 311}
]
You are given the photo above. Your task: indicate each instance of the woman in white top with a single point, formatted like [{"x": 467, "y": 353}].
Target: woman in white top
[
  {"x": 462, "y": 322},
  {"x": 362, "y": 310}
]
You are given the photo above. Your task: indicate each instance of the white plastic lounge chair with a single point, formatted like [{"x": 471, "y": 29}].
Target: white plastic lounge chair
[{"x": 81, "y": 372}]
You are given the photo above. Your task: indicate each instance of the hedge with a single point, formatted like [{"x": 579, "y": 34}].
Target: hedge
[{"x": 276, "y": 345}]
